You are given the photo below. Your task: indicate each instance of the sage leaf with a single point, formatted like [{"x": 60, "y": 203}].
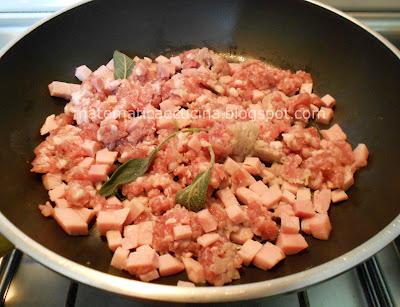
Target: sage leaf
[
  {"x": 123, "y": 65},
  {"x": 193, "y": 197},
  {"x": 135, "y": 168}
]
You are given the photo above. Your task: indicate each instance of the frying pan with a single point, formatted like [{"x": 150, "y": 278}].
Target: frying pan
[{"x": 347, "y": 60}]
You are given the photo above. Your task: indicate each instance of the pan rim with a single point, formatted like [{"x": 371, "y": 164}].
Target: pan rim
[{"x": 134, "y": 288}]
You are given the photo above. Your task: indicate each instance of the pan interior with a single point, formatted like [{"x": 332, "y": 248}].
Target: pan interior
[{"x": 344, "y": 60}]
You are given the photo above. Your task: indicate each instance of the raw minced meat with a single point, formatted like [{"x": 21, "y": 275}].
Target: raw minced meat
[{"x": 277, "y": 188}]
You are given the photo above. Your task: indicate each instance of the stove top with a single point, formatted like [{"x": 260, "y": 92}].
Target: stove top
[{"x": 376, "y": 282}]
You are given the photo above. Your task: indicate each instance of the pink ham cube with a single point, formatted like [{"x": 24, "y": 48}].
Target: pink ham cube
[
  {"x": 291, "y": 243},
  {"x": 70, "y": 221},
  {"x": 322, "y": 200},
  {"x": 328, "y": 101},
  {"x": 283, "y": 208},
  {"x": 324, "y": 115},
  {"x": 61, "y": 203},
  {"x": 303, "y": 194},
  {"x": 268, "y": 256},
  {"x": 145, "y": 234},
  {"x": 303, "y": 208},
  {"x": 114, "y": 239},
  {"x": 272, "y": 197},
  {"x": 86, "y": 163},
  {"x": 111, "y": 220},
  {"x": 149, "y": 276},
  {"x": 182, "y": 283},
  {"x": 288, "y": 197},
  {"x": 90, "y": 147},
  {"x": 208, "y": 239},
  {"x": 242, "y": 235},
  {"x": 104, "y": 156},
  {"x": 86, "y": 214},
  {"x": 58, "y": 192},
  {"x": 339, "y": 195},
  {"x": 206, "y": 220},
  {"x": 289, "y": 187},
  {"x": 98, "y": 172},
  {"x": 334, "y": 133},
  {"x": 194, "y": 270},
  {"x": 169, "y": 265},
  {"x": 51, "y": 181},
  {"x": 247, "y": 196},
  {"x": 231, "y": 166},
  {"x": 136, "y": 208},
  {"x": 259, "y": 188},
  {"x": 63, "y": 89},
  {"x": 235, "y": 214},
  {"x": 290, "y": 224},
  {"x": 119, "y": 258},
  {"x": 131, "y": 237},
  {"x": 305, "y": 225},
  {"x": 253, "y": 165},
  {"x": 320, "y": 226},
  {"x": 227, "y": 197},
  {"x": 129, "y": 242},
  {"x": 82, "y": 72},
  {"x": 306, "y": 88},
  {"x": 49, "y": 125},
  {"x": 142, "y": 262},
  {"x": 182, "y": 232},
  {"x": 249, "y": 250},
  {"x": 360, "y": 156},
  {"x": 113, "y": 202}
]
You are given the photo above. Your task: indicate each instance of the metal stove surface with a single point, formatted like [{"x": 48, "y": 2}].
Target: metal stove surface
[{"x": 24, "y": 282}]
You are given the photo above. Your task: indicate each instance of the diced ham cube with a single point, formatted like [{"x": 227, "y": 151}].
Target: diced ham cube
[
  {"x": 165, "y": 123},
  {"x": 51, "y": 181},
  {"x": 176, "y": 60},
  {"x": 306, "y": 88},
  {"x": 182, "y": 283},
  {"x": 119, "y": 258},
  {"x": 86, "y": 163},
  {"x": 305, "y": 225},
  {"x": 47, "y": 209},
  {"x": 82, "y": 72},
  {"x": 268, "y": 256},
  {"x": 239, "y": 172},
  {"x": 182, "y": 232},
  {"x": 70, "y": 221},
  {"x": 272, "y": 197},
  {"x": 114, "y": 239},
  {"x": 169, "y": 265},
  {"x": 194, "y": 270},
  {"x": 49, "y": 125},
  {"x": 348, "y": 179},
  {"x": 339, "y": 195},
  {"x": 136, "y": 208},
  {"x": 334, "y": 133},
  {"x": 291, "y": 243},
  {"x": 62, "y": 203},
  {"x": 142, "y": 261},
  {"x": 247, "y": 196},
  {"x": 249, "y": 250},
  {"x": 303, "y": 194},
  {"x": 259, "y": 188},
  {"x": 288, "y": 197},
  {"x": 63, "y": 89},
  {"x": 231, "y": 166},
  {"x": 90, "y": 147},
  {"x": 110, "y": 64},
  {"x": 227, "y": 197},
  {"x": 253, "y": 165},
  {"x": 303, "y": 208},
  {"x": 98, "y": 172},
  {"x": 324, "y": 115},
  {"x": 283, "y": 208},
  {"x": 145, "y": 235},
  {"x": 208, "y": 239},
  {"x": 320, "y": 226},
  {"x": 130, "y": 242},
  {"x": 113, "y": 201},
  {"x": 206, "y": 220},
  {"x": 322, "y": 200},
  {"x": 111, "y": 220},
  {"x": 86, "y": 214},
  {"x": 152, "y": 275},
  {"x": 360, "y": 156},
  {"x": 328, "y": 101},
  {"x": 58, "y": 192},
  {"x": 104, "y": 156},
  {"x": 290, "y": 224},
  {"x": 289, "y": 187},
  {"x": 235, "y": 214},
  {"x": 242, "y": 235}
]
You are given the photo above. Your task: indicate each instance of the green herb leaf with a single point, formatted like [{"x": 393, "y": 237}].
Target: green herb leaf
[
  {"x": 123, "y": 65},
  {"x": 193, "y": 197},
  {"x": 135, "y": 168}
]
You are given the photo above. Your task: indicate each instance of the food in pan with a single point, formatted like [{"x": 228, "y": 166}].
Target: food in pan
[{"x": 192, "y": 163}]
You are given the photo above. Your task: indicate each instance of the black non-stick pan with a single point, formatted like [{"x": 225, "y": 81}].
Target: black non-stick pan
[{"x": 356, "y": 66}]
